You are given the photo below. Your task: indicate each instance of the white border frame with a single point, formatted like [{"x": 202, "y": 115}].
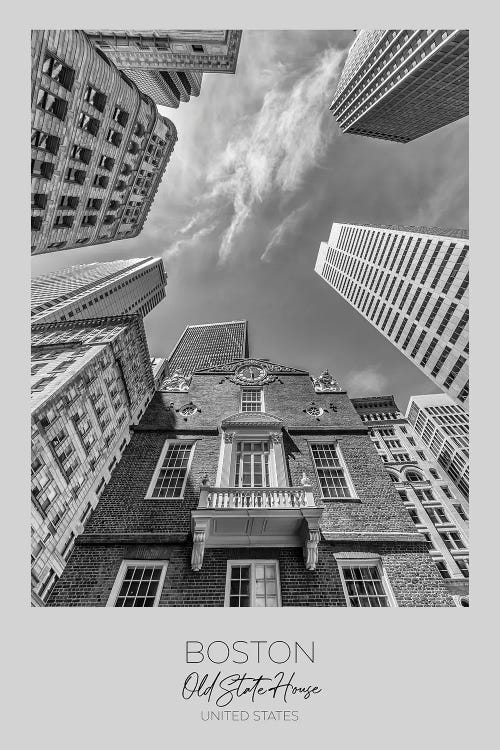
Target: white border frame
[
  {"x": 350, "y": 484},
  {"x": 367, "y": 562},
  {"x": 149, "y": 494},
  {"x": 137, "y": 564},
  {"x": 252, "y": 564}
]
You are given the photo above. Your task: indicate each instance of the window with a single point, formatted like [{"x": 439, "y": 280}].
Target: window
[
  {"x": 90, "y": 124},
  {"x": 252, "y": 399},
  {"x": 45, "y": 141},
  {"x": 170, "y": 477},
  {"x": 414, "y": 476},
  {"x": 461, "y": 512},
  {"x": 414, "y": 515},
  {"x": 252, "y": 584},
  {"x": 421, "y": 455},
  {"x": 437, "y": 515},
  {"x": 197, "y": 47},
  {"x": 58, "y": 72},
  {"x": 452, "y": 539},
  {"x": 52, "y": 104},
  {"x": 252, "y": 464},
  {"x": 441, "y": 566},
  {"x": 81, "y": 154},
  {"x": 364, "y": 584},
  {"x": 41, "y": 168},
  {"x": 463, "y": 564},
  {"x": 138, "y": 584},
  {"x": 331, "y": 474},
  {"x": 434, "y": 473},
  {"x": 96, "y": 98}
]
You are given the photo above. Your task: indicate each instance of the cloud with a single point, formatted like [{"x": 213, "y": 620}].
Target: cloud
[
  {"x": 176, "y": 248},
  {"x": 367, "y": 382},
  {"x": 275, "y": 147},
  {"x": 289, "y": 224}
]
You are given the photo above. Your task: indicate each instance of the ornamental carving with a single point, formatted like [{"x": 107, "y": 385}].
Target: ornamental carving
[
  {"x": 326, "y": 383},
  {"x": 228, "y": 437},
  {"x": 176, "y": 382},
  {"x": 275, "y": 437},
  {"x": 311, "y": 549}
]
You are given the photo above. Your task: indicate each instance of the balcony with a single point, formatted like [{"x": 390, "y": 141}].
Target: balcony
[{"x": 256, "y": 517}]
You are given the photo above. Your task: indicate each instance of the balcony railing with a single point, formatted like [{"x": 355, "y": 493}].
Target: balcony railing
[{"x": 256, "y": 497}]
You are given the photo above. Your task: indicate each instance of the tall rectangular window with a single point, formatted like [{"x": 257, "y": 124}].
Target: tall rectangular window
[
  {"x": 252, "y": 464},
  {"x": 170, "y": 477},
  {"x": 252, "y": 584},
  {"x": 138, "y": 584},
  {"x": 364, "y": 584},
  {"x": 331, "y": 473},
  {"x": 251, "y": 399}
]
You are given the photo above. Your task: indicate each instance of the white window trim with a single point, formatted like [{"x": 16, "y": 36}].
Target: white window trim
[
  {"x": 137, "y": 564},
  {"x": 253, "y": 388},
  {"x": 252, "y": 564},
  {"x": 278, "y": 475},
  {"x": 353, "y": 495},
  {"x": 168, "y": 442},
  {"x": 366, "y": 563}
]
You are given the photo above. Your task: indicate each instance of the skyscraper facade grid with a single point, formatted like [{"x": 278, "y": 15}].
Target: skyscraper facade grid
[
  {"x": 207, "y": 345},
  {"x": 411, "y": 284},
  {"x": 402, "y": 84}
]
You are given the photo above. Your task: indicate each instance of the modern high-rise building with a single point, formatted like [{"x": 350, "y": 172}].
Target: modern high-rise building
[
  {"x": 412, "y": 285},
  {"x": 94, "y": 290},
  {"x": 159, "y": 367},
  {"x": 91, "y": 380},
  {"x": 169, "y": 65},
  {"x": 99, "y": 146},
  {"x": 260, "y": 487},
  {"x": 435, "y": 503},
  {"x": 401, "y": 84},
  {"x": 443, "y": 426},
  {"x": 206, "y": 345}
]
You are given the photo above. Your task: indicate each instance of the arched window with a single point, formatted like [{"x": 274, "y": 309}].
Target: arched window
[
  {"x": 393, "y": 477},
  {"x": 414, "y": 476}
]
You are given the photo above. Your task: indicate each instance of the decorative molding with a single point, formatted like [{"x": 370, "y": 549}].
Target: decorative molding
[
  {"x": 176, "y": 382},
  {"x": 326, "y": 383},
  {"x": 311, "y": 549},
  {"x": 199, "y": 539},
  {"x": 275, "y": 437},
  {"x": 228, "y": 437},
  {"x": 374, "y": 536}
]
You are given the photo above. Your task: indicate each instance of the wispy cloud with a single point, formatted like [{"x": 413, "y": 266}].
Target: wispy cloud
[
  {"x": 368, "y": 382},
  {"x": 276, "y": 147},
  {"x": 289, "y": 224},
  {"x": 181, "y": 244}
]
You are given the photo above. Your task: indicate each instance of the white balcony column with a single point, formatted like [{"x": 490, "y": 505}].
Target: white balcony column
[{"x": 199, "y": 539}]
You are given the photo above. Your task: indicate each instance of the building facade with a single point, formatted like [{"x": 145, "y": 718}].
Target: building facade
[
  {"x": 91, "y": 380},
  {"x": 436, "y": 505},
  {"x": 443, "y": 427},
  {"x": 412, "y": 285},
  {"x": 203, "y": 345},
  {"x": 99, "y": 147},
  {"x": 98, "y": 289},
  {"x": 258, "y": 487},
  {"x": 169, "y": 65},
  {"x": 402, "y": 84}
]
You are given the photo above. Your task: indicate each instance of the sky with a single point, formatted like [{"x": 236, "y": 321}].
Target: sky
[{"x": 259, "y": 174}]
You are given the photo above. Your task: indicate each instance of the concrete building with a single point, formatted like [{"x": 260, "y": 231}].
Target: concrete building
[
  {"x": 412, "y": 285},
  {"x": 435, "y": 503},
  {"x": 204, "y": 345},
  {"x": 169, "y": 65},
  {"x": 443, "y": 426},
  {"x": 98, "y": 289},
  {"x": 99, "y": 147},
  {"x": 258, "y": 487},
  {"x": 159, "y": 368},
  {"x": 91, "y": 380},
  {"x": 402, "y": 84}
]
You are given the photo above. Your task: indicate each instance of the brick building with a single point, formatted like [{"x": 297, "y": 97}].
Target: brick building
[
  {"x": 435, "y": 502},
  {"x": 99, "y": 146},
  {"x": 260, "y": 486},
  {"x": 91, "y": 380}
]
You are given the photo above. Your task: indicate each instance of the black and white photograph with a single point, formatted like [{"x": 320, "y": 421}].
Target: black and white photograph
[{"x": 249, "y": 318}]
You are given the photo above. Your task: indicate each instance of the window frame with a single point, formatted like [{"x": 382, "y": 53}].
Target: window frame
[
  {"x": 367, "y": 563},
  {"x": 113, "y": 596},
  {"x": 262, "y": 404},
  {"x": 252, "y": 564},
  {"x": 353, "y": 494},
  {"x": 168, "y": 442}
]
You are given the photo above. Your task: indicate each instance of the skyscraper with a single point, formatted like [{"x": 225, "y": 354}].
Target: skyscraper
[
  {"x": 411, "y": 284},
  {"x": 206, "y": 345},
  {"x": 435, "y": 503},
  {"x": 91, "y": 380},
  {"x": 258, "y": 488},
  {"x": 443, "y": 426},
  {"x": 99, "y": 147},
  {"x": 401, "y": 84},
  {"x": 169, "y": 65},
  {"x": 98, "y": 289}
]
